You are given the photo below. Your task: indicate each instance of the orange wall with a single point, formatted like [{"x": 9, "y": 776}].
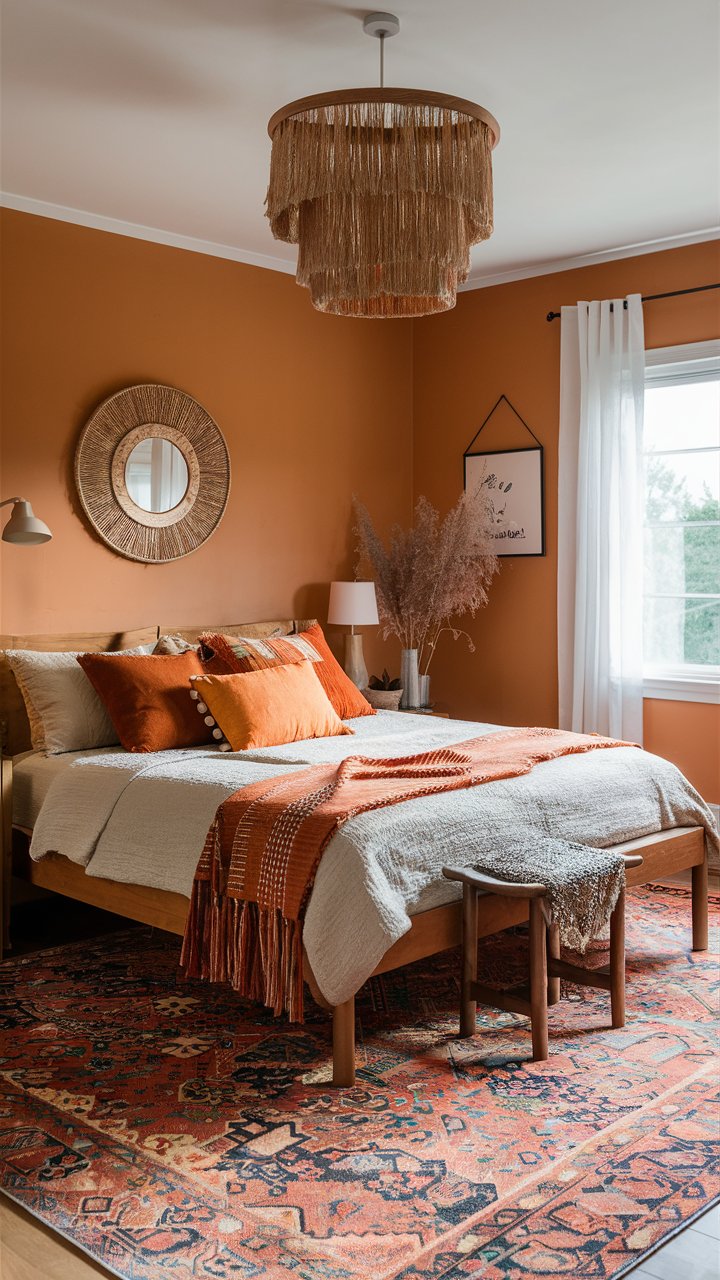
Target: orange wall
[
  {"x": 313, "y": 408},
  {"x": 497, "y": 340},
  {"x": 688, "y": 733}
]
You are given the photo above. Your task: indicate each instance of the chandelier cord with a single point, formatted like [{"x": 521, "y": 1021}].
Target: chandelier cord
[{"x": 382, "y": 59}]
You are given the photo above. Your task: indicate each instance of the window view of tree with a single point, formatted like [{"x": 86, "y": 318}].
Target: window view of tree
[
  {"x": 682, "y": 526},
  {"x": 684, "y": 558}
]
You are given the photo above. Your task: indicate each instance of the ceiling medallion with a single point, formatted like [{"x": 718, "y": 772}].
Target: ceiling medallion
[{"x": 384, "y": 191}]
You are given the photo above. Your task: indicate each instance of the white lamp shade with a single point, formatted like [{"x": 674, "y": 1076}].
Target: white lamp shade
[
  {"x": 352, "y": 604},
  {"x": 24, "y": 526}
]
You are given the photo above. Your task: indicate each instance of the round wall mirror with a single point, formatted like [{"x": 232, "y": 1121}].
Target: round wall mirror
[
  {"x": 153, "y": 473},
  {"x": 156, "y": 475}
]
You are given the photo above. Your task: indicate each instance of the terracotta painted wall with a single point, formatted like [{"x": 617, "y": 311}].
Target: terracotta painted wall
[
  {"x": 312, "y": 407},
  {"x": 497, "y": 340}
]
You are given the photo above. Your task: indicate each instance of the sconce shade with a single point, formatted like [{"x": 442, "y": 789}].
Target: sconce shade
[
  {"x": 352, "y": 604},
  {"x": 24, "y": 526}
]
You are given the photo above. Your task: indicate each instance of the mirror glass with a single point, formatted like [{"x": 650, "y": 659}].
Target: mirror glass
[{"x": 156, "y": 475}]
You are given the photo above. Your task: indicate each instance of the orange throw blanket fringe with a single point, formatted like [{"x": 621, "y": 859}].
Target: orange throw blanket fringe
[{"x": 264, "y": 847}]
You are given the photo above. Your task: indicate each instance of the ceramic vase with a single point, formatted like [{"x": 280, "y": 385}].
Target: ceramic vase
[
  {"x": 424, "y": 690},
  {"x": 410, "y": 678}
]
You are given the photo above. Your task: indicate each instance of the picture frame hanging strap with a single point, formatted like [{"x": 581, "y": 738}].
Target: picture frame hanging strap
[{"x": 511, "y": 406}]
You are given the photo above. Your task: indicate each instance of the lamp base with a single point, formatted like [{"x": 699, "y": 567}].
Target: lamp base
[{"x": 354, "y": 661}]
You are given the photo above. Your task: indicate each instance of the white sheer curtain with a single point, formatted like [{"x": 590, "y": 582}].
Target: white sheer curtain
[{"x": 602, "y": 375}]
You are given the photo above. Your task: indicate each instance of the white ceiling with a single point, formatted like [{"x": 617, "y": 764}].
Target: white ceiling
[{"x": 154, "y": 112}]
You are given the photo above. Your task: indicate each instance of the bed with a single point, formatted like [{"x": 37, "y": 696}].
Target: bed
[{"x": 83, "y": 826}]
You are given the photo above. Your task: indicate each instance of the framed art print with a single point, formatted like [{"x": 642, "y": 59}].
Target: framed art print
[{"x": 513, "y": 482}]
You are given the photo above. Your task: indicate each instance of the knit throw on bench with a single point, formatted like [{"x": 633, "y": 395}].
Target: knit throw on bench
[
  {"x": 264, "y": 847},
  {"x": 582, "y": 884}
]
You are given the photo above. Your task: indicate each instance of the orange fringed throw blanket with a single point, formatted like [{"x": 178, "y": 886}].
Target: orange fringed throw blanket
[{"x": 264, "y": 847}]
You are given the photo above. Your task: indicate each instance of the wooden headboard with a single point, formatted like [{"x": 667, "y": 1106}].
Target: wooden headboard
[
  {"x": 253, "y": 629},
  {"x": 14, "y": 725}
]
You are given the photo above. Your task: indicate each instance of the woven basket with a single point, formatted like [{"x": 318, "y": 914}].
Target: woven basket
[{"x": 383, "y": 699}]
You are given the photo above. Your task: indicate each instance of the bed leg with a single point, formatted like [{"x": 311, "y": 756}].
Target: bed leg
[
  {"x": 343, "y": 1076},
  {"x": 700, "y": 906}
]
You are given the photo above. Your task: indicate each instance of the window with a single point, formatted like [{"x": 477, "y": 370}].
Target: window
[{"x": 682, "y": 522}]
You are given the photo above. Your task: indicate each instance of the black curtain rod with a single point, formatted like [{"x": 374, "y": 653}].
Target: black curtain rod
[{"x": 652, "y": 297}]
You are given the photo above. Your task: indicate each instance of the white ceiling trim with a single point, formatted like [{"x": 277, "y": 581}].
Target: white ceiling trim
[
  {"x": 99, "y": 222},
  {"x": 474, "y": 281}
]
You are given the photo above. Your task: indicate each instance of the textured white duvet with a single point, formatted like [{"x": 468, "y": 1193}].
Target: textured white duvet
[{"x": 142, "y": 819}]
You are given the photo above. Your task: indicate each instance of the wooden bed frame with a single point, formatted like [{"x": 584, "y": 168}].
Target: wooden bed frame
[{"x": 664, "y": 853}]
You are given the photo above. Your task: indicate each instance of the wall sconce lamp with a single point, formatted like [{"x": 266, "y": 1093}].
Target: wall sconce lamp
[
  {"x": 353, "y": 604},
  {"x": 23, "y": 525}
]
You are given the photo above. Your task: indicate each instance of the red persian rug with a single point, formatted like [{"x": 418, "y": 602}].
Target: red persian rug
[{"x": 172, "y": 1130}]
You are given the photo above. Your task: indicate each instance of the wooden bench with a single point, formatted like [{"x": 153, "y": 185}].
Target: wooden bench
[{"x": 546, "y": 967}]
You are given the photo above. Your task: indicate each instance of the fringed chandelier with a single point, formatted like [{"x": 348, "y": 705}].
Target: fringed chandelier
[{"x": 384, "y": 191}]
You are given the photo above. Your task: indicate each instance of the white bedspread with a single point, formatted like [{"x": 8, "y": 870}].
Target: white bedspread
[{"x": 142, "y": 819}]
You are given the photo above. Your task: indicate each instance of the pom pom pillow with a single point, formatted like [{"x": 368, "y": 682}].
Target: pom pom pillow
[
  {"x": 269, "y": 707},
  {"x": 245, "y": 653}
]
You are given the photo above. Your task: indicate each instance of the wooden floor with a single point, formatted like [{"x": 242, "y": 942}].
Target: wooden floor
[{"x": 31, "y": 1251}]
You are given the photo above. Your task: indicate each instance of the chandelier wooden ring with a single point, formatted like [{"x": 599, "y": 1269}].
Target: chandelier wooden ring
[
  {"x": 138, "y": 413},
  {"x": 400, "y": 97}
]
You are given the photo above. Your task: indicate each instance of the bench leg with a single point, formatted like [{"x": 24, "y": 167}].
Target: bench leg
[
  {"x": 468, "y": 1006},
  {"x": 538, "y": 981},
  {"x": 553, "y": 950},
  {"x": 344, "y": 1044},
  {"x": 617, "y": 962},
  {"x": 700, "y": 906}
]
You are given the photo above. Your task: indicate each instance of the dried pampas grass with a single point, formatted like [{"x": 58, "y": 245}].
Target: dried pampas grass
[{"x": 436, "y": 571}]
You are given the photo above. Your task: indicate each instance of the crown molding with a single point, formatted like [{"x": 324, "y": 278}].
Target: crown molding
[
  {"x": 99, "y": 222},
  {"x": 476, "y": 281},
  {"x": 156, "y": 235}
]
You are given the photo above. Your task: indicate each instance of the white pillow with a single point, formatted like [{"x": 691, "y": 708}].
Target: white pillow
[{"x": 64, "y": 711}]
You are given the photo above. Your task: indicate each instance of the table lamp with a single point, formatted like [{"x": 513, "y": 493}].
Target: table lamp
[
  {"x": 23, "y": 525},
  {"x": 353, "y": 604}
]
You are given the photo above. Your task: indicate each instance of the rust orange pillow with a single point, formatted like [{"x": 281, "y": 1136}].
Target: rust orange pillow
[
  {"x": 269, "y": 707},
  {"x": 245, "y": 653},
  {"x": 147, "y": 698}
]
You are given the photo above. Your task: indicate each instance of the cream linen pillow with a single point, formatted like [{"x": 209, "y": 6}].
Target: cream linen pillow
[{"x": 64, "y": 711}]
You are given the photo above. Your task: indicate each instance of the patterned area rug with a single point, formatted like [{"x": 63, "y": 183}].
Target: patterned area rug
[{"x": 171, "y": 1130}]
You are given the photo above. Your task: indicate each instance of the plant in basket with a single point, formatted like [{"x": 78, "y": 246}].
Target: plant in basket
[{"x": 383, "y": 693}]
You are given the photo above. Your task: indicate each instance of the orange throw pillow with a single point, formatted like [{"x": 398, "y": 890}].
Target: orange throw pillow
[
  {"x": 147, "y": 698},
  {"x": 245, "y": 653},
  {"x": 269, "y": 707}
]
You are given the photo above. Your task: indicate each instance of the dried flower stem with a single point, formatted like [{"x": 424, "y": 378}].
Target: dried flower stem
[{"x": 431, "y": 645}]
